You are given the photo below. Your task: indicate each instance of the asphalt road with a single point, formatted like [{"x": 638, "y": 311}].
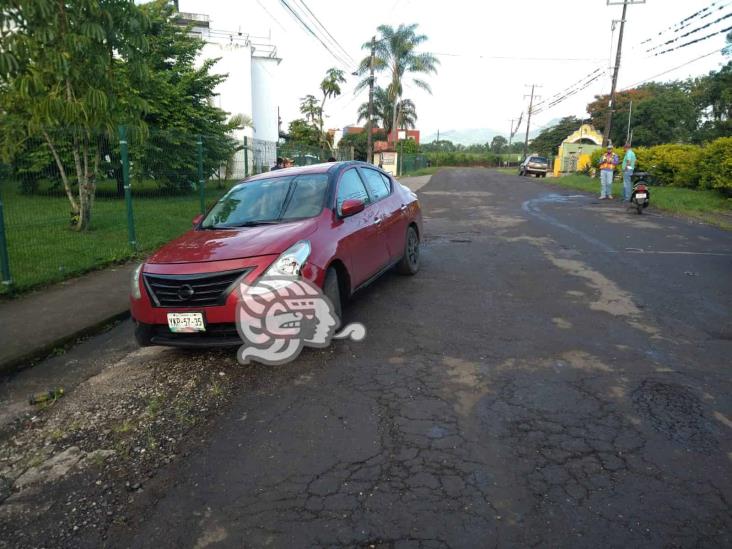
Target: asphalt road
[{"x": 558, "y": 373}]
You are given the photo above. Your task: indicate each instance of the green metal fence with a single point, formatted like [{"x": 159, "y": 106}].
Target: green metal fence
[{"x": 148, "y": 187}]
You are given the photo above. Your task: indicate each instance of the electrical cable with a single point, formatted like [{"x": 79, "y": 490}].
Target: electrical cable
[
  {"x": 332, "y": 38},
  {"x": 310, "y": 31},
  {"x": 670, "y": 70},
  {"x": 711, "y": 35},
  {"x": 694, "y": 31}
]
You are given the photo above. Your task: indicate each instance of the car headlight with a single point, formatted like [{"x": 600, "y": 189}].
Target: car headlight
[
  {"x": 291, "y": 261},
  {"x": 135, "y": 283}
]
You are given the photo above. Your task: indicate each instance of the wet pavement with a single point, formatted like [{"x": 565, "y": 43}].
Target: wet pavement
[{"x": 558, "y": 373}]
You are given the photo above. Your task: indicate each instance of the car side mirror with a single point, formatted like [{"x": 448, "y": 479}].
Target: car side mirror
[
  {"x": 197, "y": 220},
  {"x": 351, "y": 207}
]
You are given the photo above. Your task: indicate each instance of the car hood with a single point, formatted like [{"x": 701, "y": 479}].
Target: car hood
[{"x": 218, "y": 245}]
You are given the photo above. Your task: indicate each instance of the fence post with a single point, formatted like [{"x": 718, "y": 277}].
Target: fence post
[
  {"x": 400, "y": 168},
  {"x": 125, "y": 159},
  {"x": 201, "y": 180},
  {"x": 4, "y": 258},
  {"x": 246, "y": 157}
]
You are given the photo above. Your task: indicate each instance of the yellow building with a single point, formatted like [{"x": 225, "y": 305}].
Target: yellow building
[{"x": 574, "y": 152}]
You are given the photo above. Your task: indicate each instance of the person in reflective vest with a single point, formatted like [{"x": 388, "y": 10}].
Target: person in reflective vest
[{"x": 607, "y": 169}]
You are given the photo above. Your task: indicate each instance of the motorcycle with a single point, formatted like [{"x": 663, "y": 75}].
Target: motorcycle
[{"x": 640, "y": 197}]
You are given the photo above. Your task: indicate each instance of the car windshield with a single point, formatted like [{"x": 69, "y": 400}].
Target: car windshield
[
  {"x": 538, "y": 159},
  {"x": 269, "y": 201}
]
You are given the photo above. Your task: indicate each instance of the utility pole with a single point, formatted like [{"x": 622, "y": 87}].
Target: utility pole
[
  {"x": 369, "y": 138},
  {"x": 528, "y": 120},
  {"x": 616, "y": 70},
  {"x": 279, "y": 123},
  {"x": 630, "y": 114}
]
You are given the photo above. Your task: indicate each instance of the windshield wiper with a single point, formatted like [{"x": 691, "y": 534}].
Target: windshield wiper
[{"x": 254, "y": 223}]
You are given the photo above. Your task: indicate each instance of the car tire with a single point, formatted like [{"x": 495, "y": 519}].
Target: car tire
[
  {"x": 143, "y": 334},
  {"x": 409, "y": 263},
  {"x": 332, "y": 291}
]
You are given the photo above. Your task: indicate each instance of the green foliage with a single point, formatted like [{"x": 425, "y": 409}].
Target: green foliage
[
  {"x": 73, "y": 66},
  {"x": 396, "y": 54},
  {"x": 301, "y": 131},
  {"x": 498, "y": 143},
  {"x": 673, "y": 165},
  {"x": 179, "y": 97},
  {"x": 462, "y": 159},
  {"x": 384, "y": 110},
  {"x": 715, "y": 166},
  {"x": 408, "y": 146},
  {"x": 359, "y": 142},
  {"x": 676, "y": 165},
  {"x": 549, "y": 139}
]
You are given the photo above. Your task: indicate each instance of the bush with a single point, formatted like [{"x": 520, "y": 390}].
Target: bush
[
  {"x": 674, "y": 165},
  {"x": 714, "y": 167}
]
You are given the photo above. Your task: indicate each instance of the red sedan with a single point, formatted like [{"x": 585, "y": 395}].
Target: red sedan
[{"x": 339, "y": 225}]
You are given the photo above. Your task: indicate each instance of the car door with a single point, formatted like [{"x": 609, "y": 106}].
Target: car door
[
  {"x": 391, "y": 208},
  {"x": 361, "y": 239}
]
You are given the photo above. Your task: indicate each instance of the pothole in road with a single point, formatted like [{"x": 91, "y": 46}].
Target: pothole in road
[{"x": 677, "y": 413}]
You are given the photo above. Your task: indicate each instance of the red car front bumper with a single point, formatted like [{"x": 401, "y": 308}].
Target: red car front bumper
[{"x": 160, "y": 293}]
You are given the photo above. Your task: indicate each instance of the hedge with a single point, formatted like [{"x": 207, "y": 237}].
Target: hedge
[{"x": 708, "y": 166}]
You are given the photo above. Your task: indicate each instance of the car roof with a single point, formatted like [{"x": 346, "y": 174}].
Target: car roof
[{"x": 324, "y": 167}]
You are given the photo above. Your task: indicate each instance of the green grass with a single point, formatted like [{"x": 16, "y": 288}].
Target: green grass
[
  {"x": 704, "y": 205},
  {"x": 44, "y": 249}
]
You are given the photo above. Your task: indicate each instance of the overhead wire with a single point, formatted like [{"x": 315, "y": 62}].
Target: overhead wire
[
  {"x": 689, "y": 33},
  {"x": 325, "y": 29},
  {"x": 310, "y": 31},
  {"x": 670, "y": 70}
]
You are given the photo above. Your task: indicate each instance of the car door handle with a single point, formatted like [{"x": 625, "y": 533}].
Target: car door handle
[
  {"x": 377, "y": 221},
  {"x": 404, "y": 207}
]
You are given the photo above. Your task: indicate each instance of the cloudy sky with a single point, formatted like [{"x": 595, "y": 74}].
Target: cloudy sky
[{"x": 489, "y": 50}]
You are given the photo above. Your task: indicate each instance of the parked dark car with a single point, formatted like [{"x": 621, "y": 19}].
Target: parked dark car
[
  {"x": 536, "y": 165},
  {"x": 338, "y": 224}
]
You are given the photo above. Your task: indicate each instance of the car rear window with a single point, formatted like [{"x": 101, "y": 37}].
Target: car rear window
[{"x": 538, "y": 159}]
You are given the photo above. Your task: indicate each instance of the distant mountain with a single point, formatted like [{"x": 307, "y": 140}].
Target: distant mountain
[{"x": 472, "y": 136}]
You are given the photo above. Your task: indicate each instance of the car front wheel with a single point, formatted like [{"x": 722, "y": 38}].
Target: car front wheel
[
  {"x": 332, "y": 291},
  {"x": 409, "y": 264}
]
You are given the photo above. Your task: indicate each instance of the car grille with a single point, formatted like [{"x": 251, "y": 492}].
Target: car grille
[{"x": 194, "y": 290}]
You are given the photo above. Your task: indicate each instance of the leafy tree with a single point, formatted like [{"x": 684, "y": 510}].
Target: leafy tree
[
  {"x": 68, "y": 73},
  {"x": 331, "y": 87},
  {"x": 301, "y": 131},
  {"x": 396, "y": 53},
  {"x": 549, "y": 139},
  {"x": 662, "y": 113},
  {"x": 713, "y": 94},
  {"x": 383, "y": 111},
  {"x": 359, "y": 143},
  {"x": 497, "y": 144},
  {"x": 443, "y": 145},
  {"x": 179, "y": 96},
  {"x": 408, "y": 146}
]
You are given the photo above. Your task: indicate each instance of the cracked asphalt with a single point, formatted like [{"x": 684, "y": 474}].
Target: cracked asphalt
[{"x": 557, "y": 374}]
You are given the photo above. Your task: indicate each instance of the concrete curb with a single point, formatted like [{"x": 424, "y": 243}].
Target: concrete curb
[{"x": 17, "y": 363}]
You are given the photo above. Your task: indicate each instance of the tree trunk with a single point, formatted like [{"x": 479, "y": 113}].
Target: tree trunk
[
  {"x": 394, "y": 120},
  {"x": 62, "y": 171}
]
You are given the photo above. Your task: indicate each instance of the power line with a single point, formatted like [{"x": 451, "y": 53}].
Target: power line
[
  {"x": 515, "y": 58},
  {"x": 310, "y": 31},
  {"x": 687, "y": 21},
  {"x": 568, "y": 88},
  {"x": 710, "y": 35},
  {"x": 689, "y": 33},
  {"x": 569, "y": 94},
  {"x": 332, "y": 38},
  {"x": 670, "y": 70}
]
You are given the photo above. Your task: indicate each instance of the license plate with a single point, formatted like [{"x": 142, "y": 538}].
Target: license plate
[
  {"x": 186, "y": 322},
  {"x": 640, "y": 195}
]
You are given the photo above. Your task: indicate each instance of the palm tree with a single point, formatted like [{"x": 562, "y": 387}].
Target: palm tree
[
  {"x": 310, "y": 109},
  {"x": 331, "y": 87},
  {"x": 383, "y": 111},
  {"x": 396, "y": 53}
]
